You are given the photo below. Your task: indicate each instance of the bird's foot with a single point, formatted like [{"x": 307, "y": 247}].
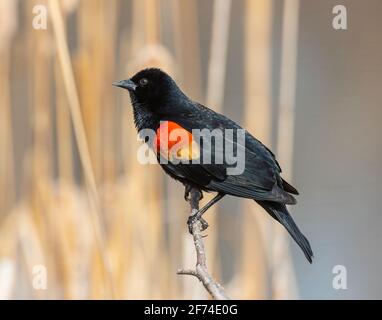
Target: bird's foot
[
  {"x": 192, "y": 219},
  {"x": 187, "y": 191}
]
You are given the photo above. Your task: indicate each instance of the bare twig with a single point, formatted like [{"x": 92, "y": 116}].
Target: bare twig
[{"x": 201, "y": 271}]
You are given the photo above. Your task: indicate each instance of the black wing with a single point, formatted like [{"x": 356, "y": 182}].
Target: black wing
[{"x": 260, "y": 179}]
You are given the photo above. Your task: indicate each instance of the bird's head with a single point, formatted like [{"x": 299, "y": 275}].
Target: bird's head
[{"x": 151, "y": 87}]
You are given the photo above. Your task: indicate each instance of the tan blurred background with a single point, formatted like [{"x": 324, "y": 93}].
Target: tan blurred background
[{"x": 76, "y": 206}]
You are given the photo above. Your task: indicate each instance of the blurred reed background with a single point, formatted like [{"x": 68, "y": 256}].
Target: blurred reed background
[{"x": 74, "y": 198}]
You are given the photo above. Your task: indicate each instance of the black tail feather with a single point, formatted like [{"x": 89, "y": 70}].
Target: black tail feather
[{"x": 280, "y": 213}]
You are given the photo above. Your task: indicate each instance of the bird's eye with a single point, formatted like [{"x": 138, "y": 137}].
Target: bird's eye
[{"x": 143, "y": 82}]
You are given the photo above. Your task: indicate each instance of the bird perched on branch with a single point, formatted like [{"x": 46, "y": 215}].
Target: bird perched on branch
[{"x": 159, "y": 105}]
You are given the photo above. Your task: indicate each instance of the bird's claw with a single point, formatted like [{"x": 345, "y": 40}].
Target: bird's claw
[
  {"x": 187, "y": 191},
  {"x": 192, "y": 219},
  {"x": 204, "y": 223}
]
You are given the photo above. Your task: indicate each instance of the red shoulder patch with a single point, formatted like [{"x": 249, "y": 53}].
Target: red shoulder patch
[{"x": 173, "y": 141}]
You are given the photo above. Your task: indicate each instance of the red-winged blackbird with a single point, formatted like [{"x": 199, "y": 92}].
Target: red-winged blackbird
[{"x": 158, "y": 103}]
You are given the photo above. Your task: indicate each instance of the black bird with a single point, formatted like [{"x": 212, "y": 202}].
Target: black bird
[{"x": 160, "y": 105}]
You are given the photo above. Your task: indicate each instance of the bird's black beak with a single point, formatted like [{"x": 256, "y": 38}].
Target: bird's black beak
[{"x": 126, "y": 84}]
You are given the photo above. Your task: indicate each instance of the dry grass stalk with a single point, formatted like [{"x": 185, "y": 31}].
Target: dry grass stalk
[
  {"x": 6, "y": 148},
  {"x": 283, "y": 274},
  {"x": 8, "y": 28},
  {"x": 146, "y": 215},
  {"x": 8, "y": 23},
  {"x": 64, "y": 130},
  {"x": 288, "y": 76},
  {"x": 8, "y": 256},
  {"x": 258, "y": 23},
  {"x": 187, "y": 46},
  {"x": 63, "y": 52},
  {"x": 218, "y": 54}
]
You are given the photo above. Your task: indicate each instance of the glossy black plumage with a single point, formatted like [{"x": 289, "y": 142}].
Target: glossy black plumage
[{"x": 156, "y": 97}]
